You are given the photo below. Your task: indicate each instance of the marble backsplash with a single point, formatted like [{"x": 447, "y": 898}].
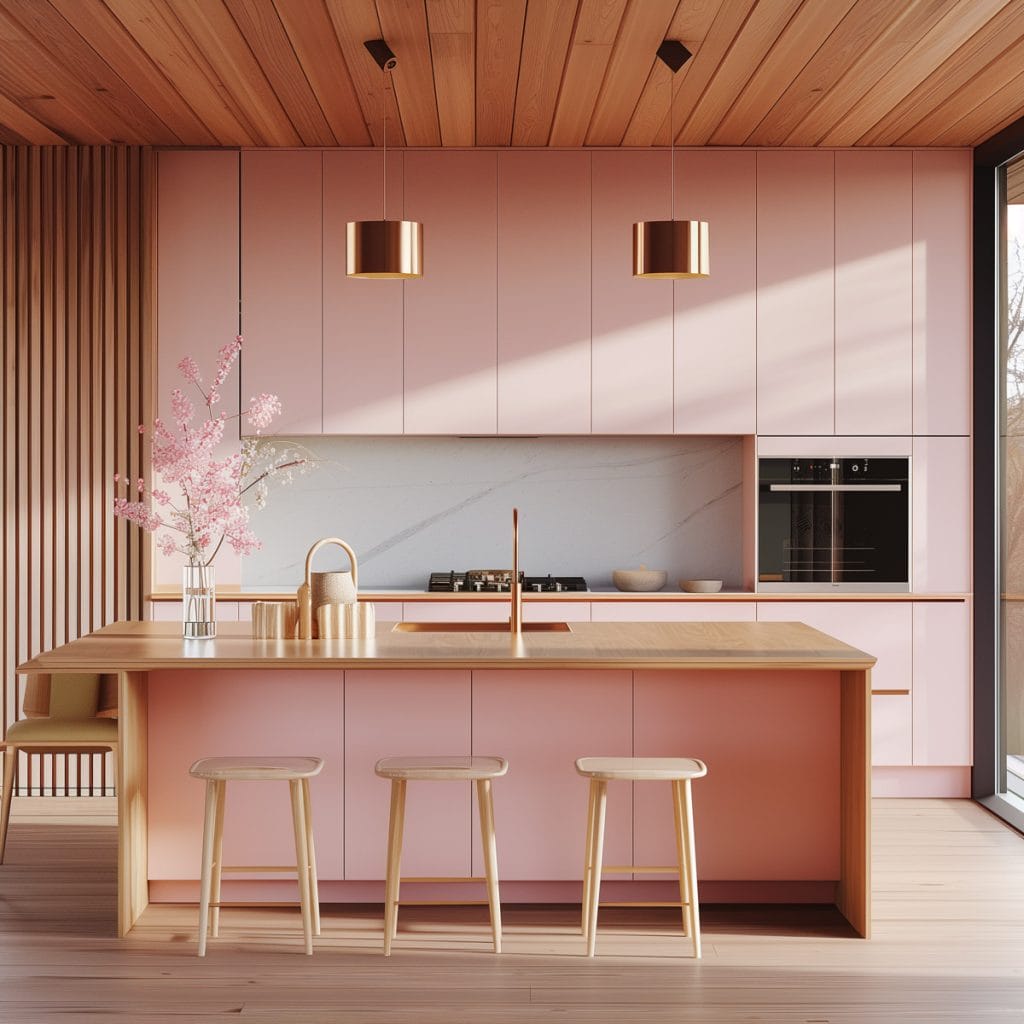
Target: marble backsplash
[{"x": 410, "y": 505}]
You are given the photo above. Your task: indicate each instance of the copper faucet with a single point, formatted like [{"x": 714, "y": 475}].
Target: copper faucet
[{"x": 515, "y": 586}]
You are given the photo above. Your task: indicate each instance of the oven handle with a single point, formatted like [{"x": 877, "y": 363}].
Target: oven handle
[{"x": 822, "y": 488}]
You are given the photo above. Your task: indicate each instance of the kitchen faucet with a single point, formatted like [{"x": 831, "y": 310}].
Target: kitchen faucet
[{"x": 515, "y": 586}]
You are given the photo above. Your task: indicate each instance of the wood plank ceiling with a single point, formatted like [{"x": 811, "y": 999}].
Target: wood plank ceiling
[{"x": 509, "y": 72}]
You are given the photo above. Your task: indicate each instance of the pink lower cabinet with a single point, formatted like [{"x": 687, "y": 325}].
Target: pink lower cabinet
[
  {"x": 406, "y": 713},
  {"x": 194, "y": 714},
  {"x": 942, "y": 683},
  {"x": 883, "y": 629},
  {"x": 673, "y": 611},
  {"x": 542, "y": 721},
  {"x": 771, "y": 788}
]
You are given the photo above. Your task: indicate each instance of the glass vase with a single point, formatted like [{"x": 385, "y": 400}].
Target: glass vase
[{"x": 198, "y": 602}]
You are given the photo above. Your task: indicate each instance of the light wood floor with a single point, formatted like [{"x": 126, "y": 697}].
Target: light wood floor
[{"x": 948, "y": 947}]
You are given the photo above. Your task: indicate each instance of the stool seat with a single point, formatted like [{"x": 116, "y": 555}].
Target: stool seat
[
  {"x": 255, "y": 767},
  {"x": 641, "y": 768},
  {"x": 455, "y": 767}
]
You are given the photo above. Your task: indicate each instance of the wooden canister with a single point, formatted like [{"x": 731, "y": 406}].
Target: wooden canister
[{"x": 274, "y": 620}]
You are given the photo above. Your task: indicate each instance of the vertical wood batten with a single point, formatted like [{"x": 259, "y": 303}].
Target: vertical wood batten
[{"x": 75, "y": 232}]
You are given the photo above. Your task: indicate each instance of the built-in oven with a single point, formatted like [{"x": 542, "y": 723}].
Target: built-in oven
[{"x": 833, "y": 524}]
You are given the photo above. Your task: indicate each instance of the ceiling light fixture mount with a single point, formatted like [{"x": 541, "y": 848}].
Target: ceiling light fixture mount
[
  {"x": 670, "y": 249},
  {"x": 384, "y": 249}
]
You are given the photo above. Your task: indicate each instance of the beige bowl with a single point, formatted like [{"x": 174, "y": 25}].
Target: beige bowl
[
  {"x": 639, "y": 580},
  {"x": 700, "y": 586}
]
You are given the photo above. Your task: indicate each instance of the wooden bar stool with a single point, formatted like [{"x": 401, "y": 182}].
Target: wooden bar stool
[
  {"x": 218, "y": 772},
  {"x": 470, "y": 769},
  {"x": 677, "y": 770}
]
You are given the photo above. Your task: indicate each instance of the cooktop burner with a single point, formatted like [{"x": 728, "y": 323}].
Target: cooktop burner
[{"x": 498, "y": 581}]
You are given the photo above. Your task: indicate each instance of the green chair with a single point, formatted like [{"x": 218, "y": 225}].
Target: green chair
[{"x": 70, "y": 726}]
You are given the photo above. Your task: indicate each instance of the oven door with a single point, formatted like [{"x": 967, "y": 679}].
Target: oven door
[
  {"x": 795, "y": 524},
  {"x": 872, "y": 524}
]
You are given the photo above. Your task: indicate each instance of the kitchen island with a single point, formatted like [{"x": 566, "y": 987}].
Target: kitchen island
[{"x": 779, "y": 711}]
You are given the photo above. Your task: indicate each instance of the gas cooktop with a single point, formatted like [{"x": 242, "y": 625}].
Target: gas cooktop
[{"x": 498, "y": 581}]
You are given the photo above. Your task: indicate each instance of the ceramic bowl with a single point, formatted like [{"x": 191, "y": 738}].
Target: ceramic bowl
[
  {"x": 639, "y": 580},
  {"x": 700, "y": 586}
]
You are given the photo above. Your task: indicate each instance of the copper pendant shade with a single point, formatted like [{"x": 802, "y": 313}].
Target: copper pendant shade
[
  {"x": 384, "y": 249},
  {"x": 669, "y": 249}
]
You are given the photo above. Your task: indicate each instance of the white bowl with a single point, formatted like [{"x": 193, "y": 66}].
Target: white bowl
[
  {"x": 639, "y": 580},
  {"x": 700, "y": 586}
]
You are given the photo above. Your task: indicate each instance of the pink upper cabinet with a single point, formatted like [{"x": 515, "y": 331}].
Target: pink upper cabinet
[
  {"x": 795, "y": 292},
  {"x": 716, "y": 317},
  {"x": 282, "y": 284},
  {"x": 940, "y": 493},
  {"x": 632, "y": 318},
  {"x": 451, "y": 376},
  {"x": 544, "y": 362},
  {"x": 362, "y": 320},
  {"x": 942, "y": 292},
  {"x": 873, "y": 292}
]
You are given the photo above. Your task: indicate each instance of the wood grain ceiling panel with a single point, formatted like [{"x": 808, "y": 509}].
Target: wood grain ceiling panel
[
  {"x": 597, "y": 25},
  {"x": 643, "y": 28},
  {"x": 546, "y": 37},
  {"x": 500, "y": 25},
  {"x": 356, "y": 21},
  {"x": 452, "y": 43},
  {"x": 508, "y": 72}
]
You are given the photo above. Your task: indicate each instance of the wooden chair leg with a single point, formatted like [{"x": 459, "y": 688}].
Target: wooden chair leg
[
  {"x": 684, "y": 881},
  {"x": 685, "y": 797},
  {"x": 314, "y": 887},
  {"x": 486, "y": 802},
  {"x": 302, "y": 862},
  {"x": 394, "y": 862},
  {"x": 596, "y": 858},
  {"x": 209, "y": 829},
  {"x": 218, "y": 858},
  {"x": 10, "y": 763},
  {"x": 585, "y": 901}
]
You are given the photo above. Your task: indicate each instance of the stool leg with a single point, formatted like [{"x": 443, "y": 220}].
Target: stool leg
[
  {"x": 684, "y": 880},
  {"x": 684, "y": 798},
  {"x": 314, "y": 887},
  {"x": 394, "y": 862},
  {"x": 10, "y": 762},
  {"x": 596, "y": 857},
  {"x": 218, "y": 857},
  {"x": 302, "y": 861},
  {"x": 486, "y": 802},
  {"x": 585, "y": 902},
  {"x": 209, "y": 828}
]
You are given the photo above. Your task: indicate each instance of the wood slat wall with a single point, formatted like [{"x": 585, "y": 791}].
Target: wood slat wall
[{"x": 75, "y": 224}]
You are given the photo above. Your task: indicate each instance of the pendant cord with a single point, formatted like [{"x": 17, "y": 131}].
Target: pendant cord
[
  {"x": 384, "y": 139},
  {"x": 672, "y": 147}
]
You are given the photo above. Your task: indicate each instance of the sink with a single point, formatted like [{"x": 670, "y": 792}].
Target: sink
[{"x": 479, "y": 627}]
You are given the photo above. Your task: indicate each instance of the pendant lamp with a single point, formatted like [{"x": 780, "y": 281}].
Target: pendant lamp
[
  {"x": 671, "y": 248},
  {"x": 384, "y": 249}
]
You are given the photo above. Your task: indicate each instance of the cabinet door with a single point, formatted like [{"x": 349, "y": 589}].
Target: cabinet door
[
  {"x": 406, "y": 712},
  {"x": 942, "y": 292},
  {"x": 795, "y": 292},
  {"x": 542, "y": 721},
  {"x": 942, "y": 683},
  {"x": 362, "y": 329},
  {"x": 788, "y": 731},
  {"x": 940, "y": 496},
  {"x": 716, "y": 317},
  {"x": 450, "y": 313},
  {"x": 673, "y": 611},
  {"x": 883, "y": 629},
  {"x": 544, "y": 360},
  {"x": 281, "y": 284},
  {"x": 873, "y": 288},
  {"x": 632, "y": 318},
  {"x": 196, "y": 714}
]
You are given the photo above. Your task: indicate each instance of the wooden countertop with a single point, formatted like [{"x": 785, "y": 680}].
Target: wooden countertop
[{"x": 145, "y": 646}]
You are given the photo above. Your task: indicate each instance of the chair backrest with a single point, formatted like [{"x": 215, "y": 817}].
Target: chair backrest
[{"x": 66, "y": 696}]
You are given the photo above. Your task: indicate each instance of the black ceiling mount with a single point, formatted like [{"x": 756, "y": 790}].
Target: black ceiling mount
[
  {"x": 672, "y": 52},
  {"x": 381, "y": 53}
]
